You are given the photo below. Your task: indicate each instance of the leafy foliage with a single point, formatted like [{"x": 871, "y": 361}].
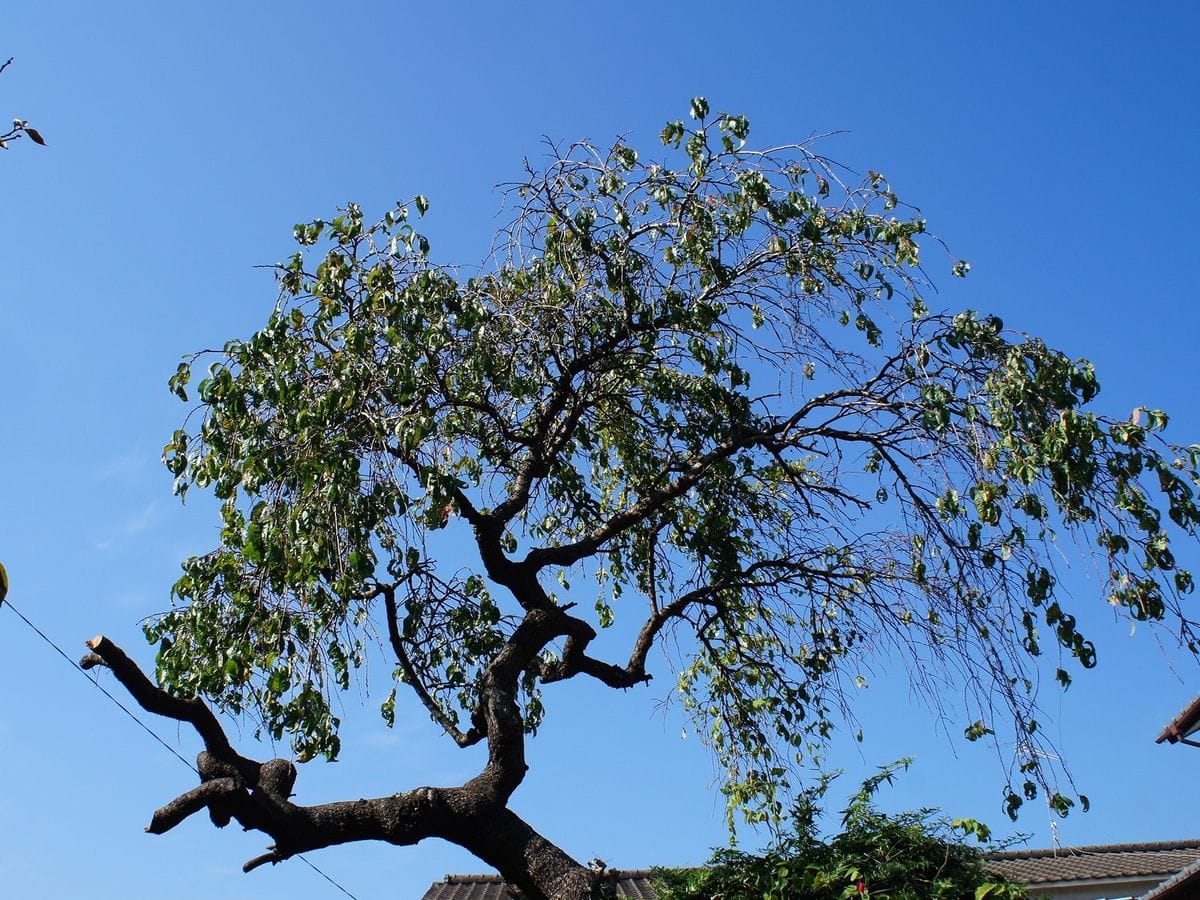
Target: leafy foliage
[
  {"x": 910, "y": 856},
  {"x": 712, "y": 385}
]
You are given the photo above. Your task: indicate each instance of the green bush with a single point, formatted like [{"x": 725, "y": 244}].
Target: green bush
[{"x": 920, "y": 855}]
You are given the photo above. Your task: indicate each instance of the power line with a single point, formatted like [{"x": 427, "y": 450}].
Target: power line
[
  {"x": 74, "y": 665},
  {"x": 326, "y": 877},
  {"x": 146, "y": 728}
]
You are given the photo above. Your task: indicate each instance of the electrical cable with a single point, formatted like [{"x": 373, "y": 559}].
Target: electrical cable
[
  {"x": 74, "y": 665},
  {"x": 125, "y": 709}
]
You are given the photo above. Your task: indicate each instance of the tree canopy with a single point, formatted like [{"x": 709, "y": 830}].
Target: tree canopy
[{"x": 701, "y": 394}]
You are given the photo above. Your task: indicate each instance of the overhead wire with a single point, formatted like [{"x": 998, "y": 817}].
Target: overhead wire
[
  {"x": 125, "y": 709},
  {"x": 5, "y": 601}
]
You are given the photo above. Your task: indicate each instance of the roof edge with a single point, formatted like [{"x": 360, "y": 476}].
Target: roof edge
[
  {"x": 1187, "y": 877},
  {"x": 615, "y": 874},
  {"x": 1182, "y": 725},
  {"x": 1050, "y": 852}
]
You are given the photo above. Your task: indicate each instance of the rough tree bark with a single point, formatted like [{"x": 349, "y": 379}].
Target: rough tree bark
[{"x": 257, "y": 795}]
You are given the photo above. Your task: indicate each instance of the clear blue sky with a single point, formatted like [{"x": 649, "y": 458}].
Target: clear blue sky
[{"x": 1054, "y": 145}]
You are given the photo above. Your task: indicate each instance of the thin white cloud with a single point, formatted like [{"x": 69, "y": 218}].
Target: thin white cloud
[
  {"x": 383, "y": 738},
  {"x": 136, "y": 600},
  {"x": 130, "y": 464},
  {"x": 130, "y": 528}
]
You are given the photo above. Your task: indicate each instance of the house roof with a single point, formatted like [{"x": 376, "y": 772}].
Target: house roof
[
  {"x": 1095, "y": 863},
  {"x": 1183, "y": 725},
  {"x": 1182, "y": 885},
  {"x": 632, "y": 883},
  {"x": 1038, "y": 868}
]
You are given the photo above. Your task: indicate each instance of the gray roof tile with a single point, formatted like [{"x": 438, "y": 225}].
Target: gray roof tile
[
  {"x": 633, "y": 883},
  {"x": 1041, "y": 867},
  {"x": 1184, "y": 884}
]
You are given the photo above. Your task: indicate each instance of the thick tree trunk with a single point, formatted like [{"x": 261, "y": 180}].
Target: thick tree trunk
[
  {"x": 463, "y": 816},
  {"x": 526, "y": 859},
  {"x": 492, "y": 832}
]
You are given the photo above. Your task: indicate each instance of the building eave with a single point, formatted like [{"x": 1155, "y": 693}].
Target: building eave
[{"x": 1183, "y": 725}]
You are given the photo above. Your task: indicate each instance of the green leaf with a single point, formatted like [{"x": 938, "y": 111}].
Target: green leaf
[
  {"x": 976, "y": 730},
  {"x": 672, "y": 134}
]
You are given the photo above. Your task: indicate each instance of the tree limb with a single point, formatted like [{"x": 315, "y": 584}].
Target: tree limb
[
  {"x": 155, "y": 700},
  {"x": 271, "y": 856},
  {"x": 413, "y": 679},
  {"x": 473, "y": 815},
  {"x": 215, "y": 791}
]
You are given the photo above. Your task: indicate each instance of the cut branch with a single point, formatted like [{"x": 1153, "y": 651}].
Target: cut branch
[
  {"x": 155, "y": 700},
  {"x": 271, "y": 856},
  {"x": 215, "y": 791}
]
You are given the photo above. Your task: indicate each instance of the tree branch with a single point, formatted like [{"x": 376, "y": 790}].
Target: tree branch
[
  {"x": 155, "y": 700},
  {"x": 413, "y": 679},
  {"x": 473, "y": 815},
  {"x": 693, "y": 472},
  {"x": 215, "y": 791},
  {"x": 271, "y": 856},
  {"x": 575, "y": 661}
]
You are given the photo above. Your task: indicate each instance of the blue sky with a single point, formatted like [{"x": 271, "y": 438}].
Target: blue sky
[{"x": 1053, "y": 145}]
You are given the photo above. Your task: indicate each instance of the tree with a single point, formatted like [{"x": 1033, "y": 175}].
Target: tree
[
  {"x": 20, "y": 128},
  {"x": 910, "y": 856},
  {"x": 709, "y": 386}
]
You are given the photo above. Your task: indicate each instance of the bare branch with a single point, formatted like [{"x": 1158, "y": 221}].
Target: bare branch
[
  {"x": 215, "y": 791},
  {"x": 413, "y": 678},
  {"x": 154, "y": 699},
  {"x": 271, "y": 856}
]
